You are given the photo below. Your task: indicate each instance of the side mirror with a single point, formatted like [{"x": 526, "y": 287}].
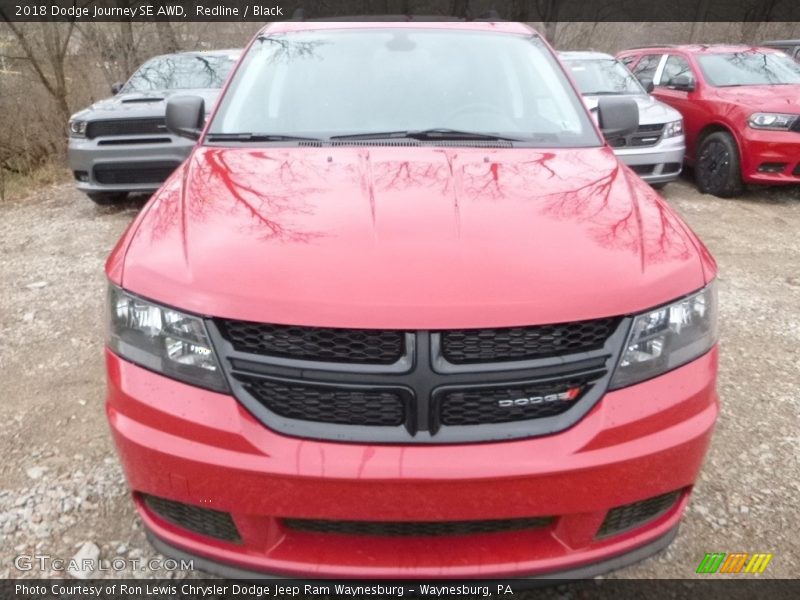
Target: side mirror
[
  {"x": 617, "y": 117},
  {"x": 683, "y": 82},
  {"x": 117, "y": 87},
  {"x": 185, "y": 115},
  {"x": 647, "y": 84}
]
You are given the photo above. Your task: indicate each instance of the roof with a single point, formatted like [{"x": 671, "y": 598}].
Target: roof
[
  {"x": 228, "y": 52},
  {"x": 584, "y": 55},
  {"x": 700, "y": 48},
  {"x": 404, "y": 22}
]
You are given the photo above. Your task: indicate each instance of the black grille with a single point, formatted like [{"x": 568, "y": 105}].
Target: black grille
[
  {"x": 205, "y": 521},
  {"x": 122, "y": 173},
  {"x": 345, "y": 406},
  {"x": 397, "y": 387},
  {"x": 645, "y": 135},
  {"x": 654, "y": 127},
  {"x": 126, "y": 127},
  {"x": 477, "y": 406},
  {"x": 796, "y": 171},
  {"x": 415, "y": 528},
  {"x": 630, "y": 516},
  {"x": 522, "y": 343},
  {"x": 365, "y": 346}
]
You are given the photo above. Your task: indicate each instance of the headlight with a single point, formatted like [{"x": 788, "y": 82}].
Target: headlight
[
  {"x": 779, "y": 121},
  {"x": 163, "y": 340},
  {"x": 77, "y": 128},
  {"x": 673, "y": 129},
  {"x": 668, "y": 337}
]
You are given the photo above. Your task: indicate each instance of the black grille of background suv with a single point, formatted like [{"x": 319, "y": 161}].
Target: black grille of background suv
[
  {"x": 155, "y": 172},
  {"x": 393, "y": 386},
  {"x": 131, "y": 127},
  {"x": 644, "y": 136}
]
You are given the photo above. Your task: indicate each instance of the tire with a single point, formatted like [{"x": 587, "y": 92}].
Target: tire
[
  {"x": 717, "y": 170},
  {"x": 107, "y": 198},
  {"x": 658, "y": 186}
]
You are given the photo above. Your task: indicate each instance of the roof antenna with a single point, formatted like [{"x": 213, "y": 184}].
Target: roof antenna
[{"x": 490, "y": 15}]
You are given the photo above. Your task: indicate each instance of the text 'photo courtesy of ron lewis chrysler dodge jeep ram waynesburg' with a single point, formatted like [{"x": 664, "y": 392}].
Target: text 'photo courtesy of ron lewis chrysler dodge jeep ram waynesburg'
[{"x": 403, "y": 313}]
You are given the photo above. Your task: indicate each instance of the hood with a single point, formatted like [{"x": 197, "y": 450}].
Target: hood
[
  {"x": 764, "y": 98},
  {"x": 399, "y": 237},
  {"x": 651, "y": 111},
  {"x": 141, "y": 104}
]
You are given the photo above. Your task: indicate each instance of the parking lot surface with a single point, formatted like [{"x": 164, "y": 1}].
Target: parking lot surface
[{"x": 63, "y": 491}]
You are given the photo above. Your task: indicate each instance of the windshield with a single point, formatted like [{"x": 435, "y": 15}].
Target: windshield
[
  {"x": 603, "y": 77},
  {"x": 749, "y": 68},
  {"x": 181, "y": 72},
  {"x": 337, "y": 83}
]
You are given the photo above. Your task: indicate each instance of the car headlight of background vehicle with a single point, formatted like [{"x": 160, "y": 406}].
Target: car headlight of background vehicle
[
  {"x": 77, "y": 128},
  {"x": 668, "y": 337},
  {"x": 673, "y": 129},
  {"x": 780, "y": 121},
  {"x": 163, "y": 340}
]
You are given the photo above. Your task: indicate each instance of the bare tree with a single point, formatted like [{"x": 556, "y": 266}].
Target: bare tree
[{"x": 44, "y": 46}]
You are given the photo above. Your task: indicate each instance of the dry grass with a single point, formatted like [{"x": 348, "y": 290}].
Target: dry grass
[{"x": 14, "y": 186}]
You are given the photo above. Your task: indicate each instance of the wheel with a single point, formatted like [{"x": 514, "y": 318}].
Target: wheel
[
  {"x": 107, "y": 198},
  {"x": 717, "y": 170}
]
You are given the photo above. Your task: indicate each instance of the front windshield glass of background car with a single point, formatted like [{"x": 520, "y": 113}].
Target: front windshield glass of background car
[
  {"x": 597, "y": 77},
  {"x": 749, "y": 68},
  {"x": 181, "y": 72}
]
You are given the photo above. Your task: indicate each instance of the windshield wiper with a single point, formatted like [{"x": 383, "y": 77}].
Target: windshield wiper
[
  {"x": 437, "y": 133},
  {"x": 258, "y": 137}
]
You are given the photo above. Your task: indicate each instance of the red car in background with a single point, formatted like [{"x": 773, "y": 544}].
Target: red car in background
[
  {"x": 402, "y": 313},
  {"x": 740, "y": 106}
]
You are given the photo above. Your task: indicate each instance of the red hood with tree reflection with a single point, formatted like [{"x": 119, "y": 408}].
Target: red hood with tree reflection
[{"x": 399, "y": 237}]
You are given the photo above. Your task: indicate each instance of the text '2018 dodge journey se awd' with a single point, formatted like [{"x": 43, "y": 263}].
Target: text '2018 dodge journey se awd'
[{"x": 403, "y": 314}]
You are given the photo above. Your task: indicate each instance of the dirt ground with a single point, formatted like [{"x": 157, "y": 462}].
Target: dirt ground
[{"x": 62, "y": 486}]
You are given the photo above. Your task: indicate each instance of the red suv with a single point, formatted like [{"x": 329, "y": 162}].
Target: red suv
[
  {"x": 740, "y": 106},
  {"x": 403, "y": 314}
]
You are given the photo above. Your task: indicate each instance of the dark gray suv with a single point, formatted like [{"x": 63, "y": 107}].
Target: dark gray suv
[{"x": 121, "y": 144}]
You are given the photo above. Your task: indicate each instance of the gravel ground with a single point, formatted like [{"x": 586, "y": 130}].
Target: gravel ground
[{"x": 63, "y": 491}]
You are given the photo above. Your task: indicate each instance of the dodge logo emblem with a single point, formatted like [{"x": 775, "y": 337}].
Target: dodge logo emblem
[{"x": 570, "y": 394}]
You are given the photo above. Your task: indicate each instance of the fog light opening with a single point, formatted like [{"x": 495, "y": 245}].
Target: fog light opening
[{"x": 771, "y": 167}]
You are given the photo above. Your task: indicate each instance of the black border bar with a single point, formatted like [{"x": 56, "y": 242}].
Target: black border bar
[{"x": 534, "y": 11}]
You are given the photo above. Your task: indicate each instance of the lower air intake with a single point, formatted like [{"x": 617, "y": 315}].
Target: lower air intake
[
  {"x": 205, "y": 521},
  {"x": 416, "y": 528},
  {"x": 630, "y": 516}
]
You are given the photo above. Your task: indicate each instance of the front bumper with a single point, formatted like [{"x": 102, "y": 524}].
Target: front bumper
[
  {"x": 111, "y": 165},
  {"x": 760, "y": 148},
  {"x": 202, "y": 448},
  {"x": 661, "y": 163}
]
